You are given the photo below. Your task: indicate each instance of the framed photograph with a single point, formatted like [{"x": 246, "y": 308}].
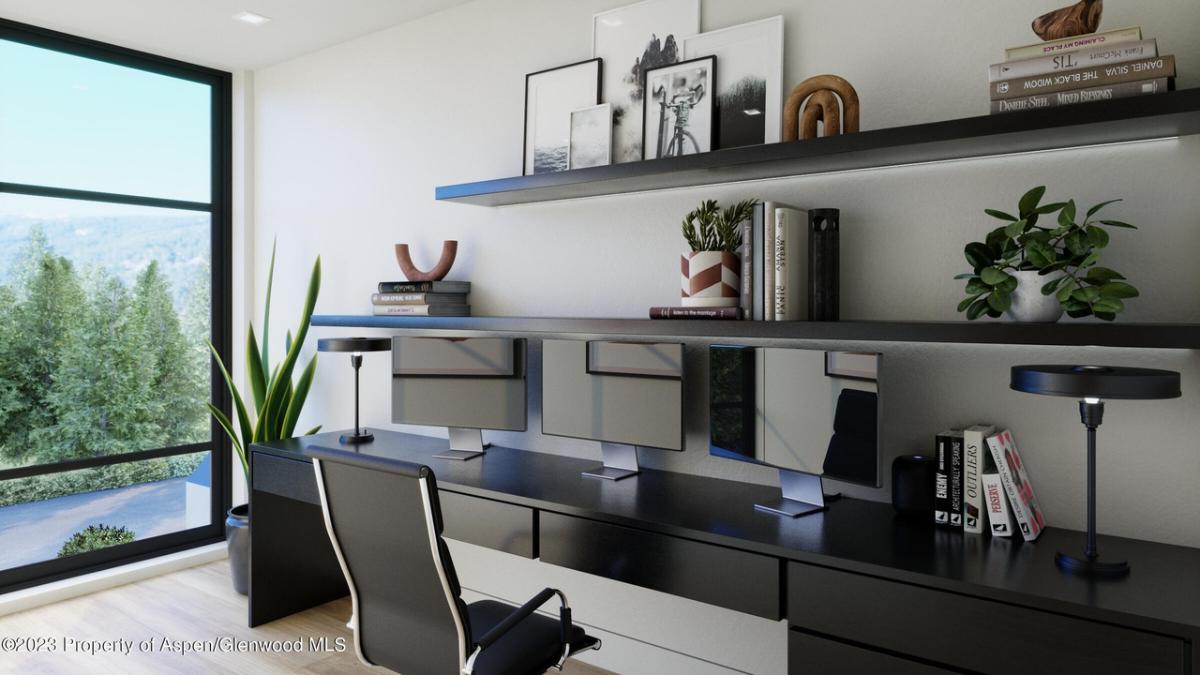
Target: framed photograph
[
  {"x": 632, "y": 40},
  {"x": 852, "y": 365},
  {"x": 679, "y": 111},
  {"x": 550, "y": 96},
  {"x": 591, "y": 137},
  {"x": 749, "y": 90}
]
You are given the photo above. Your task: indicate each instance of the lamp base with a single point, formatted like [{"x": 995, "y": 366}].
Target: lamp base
[
  {"x": 357, "y": 438},
  {"x": 1090, "y": 567}
]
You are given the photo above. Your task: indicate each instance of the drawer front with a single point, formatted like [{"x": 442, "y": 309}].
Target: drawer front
[
  {"x": 284, "y": 477},
  {"x": 913, "y": 620},
  {"x": 495, "y": 525},
  {"x": 812, "y": 655},
  {"x": 741, "y": 581}
]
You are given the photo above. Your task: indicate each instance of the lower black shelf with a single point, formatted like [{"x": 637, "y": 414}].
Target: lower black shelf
[{"x": 1133, "y": 335}]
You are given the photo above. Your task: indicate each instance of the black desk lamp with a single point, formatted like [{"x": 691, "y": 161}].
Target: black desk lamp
[
  {"x": 355, "y": 346},
  {"x": 1091, "y": 384}
]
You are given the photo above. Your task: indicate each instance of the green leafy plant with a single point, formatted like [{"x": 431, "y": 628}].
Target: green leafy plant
[
  {"x": 94, "y": 538},
  {"x": 1071, "y": 249},
  {"x": 708, "y": 228},
  {"x": 277, "y": 399}
]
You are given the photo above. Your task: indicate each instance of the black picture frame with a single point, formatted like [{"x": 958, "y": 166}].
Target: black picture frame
[
  {"x": 525, "y": 149},
  {"x": 709, "y": 97}
]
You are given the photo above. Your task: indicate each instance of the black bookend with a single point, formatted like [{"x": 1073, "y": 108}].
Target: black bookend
[{"x": 823, "y": 264}]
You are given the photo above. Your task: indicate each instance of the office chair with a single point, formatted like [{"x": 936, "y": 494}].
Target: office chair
[
  {"x": 385, "y": 524},
  {"x": 852, "y": 453}
]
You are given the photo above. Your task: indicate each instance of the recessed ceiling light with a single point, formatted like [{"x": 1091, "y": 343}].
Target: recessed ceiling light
[
  {"x": 751, "y": 112},
  {"x": 251, "y": 18}
]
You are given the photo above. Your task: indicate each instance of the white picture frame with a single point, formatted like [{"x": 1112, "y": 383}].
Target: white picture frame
[
  {"x": 591, "y": 137},
  {"x": 625, "y": 38},
  {"x": 752, "y": 52}
]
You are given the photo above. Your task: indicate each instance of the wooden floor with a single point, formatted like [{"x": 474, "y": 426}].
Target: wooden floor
[{"x": 197, "y": 604}]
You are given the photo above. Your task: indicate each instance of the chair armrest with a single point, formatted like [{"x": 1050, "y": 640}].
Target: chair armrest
[{"x": 523, "y": 612}]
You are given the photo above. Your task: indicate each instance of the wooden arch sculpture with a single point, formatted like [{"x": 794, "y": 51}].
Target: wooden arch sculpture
[
  {"x": 439, "y": 271},
  {"x": 822, "y": 94}
]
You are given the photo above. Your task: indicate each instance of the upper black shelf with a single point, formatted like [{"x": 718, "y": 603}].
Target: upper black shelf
[
  {"x": 1123, "y": 120},
  {"x": 1146, "y": 336}
]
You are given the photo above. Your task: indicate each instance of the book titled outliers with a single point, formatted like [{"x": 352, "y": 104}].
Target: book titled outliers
[
  {"x": 422, "y": 298},
  {"x": 1104, "y": 66}
]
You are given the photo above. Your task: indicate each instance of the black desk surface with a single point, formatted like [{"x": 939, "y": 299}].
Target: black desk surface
[{"x": 852, "y": 535}]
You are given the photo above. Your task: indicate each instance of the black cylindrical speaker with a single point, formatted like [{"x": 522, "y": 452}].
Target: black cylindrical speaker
[
  {"x": 824, "y": 262},
  {"x": 912, "y": 486}
]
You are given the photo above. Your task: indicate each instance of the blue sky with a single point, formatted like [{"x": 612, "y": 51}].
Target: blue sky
[{"x": 72, "y": 122}]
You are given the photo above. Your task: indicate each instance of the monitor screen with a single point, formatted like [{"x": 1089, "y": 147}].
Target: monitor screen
[
  {"x": 797, "y": 409},
  {"x": 615, "y": 392},
  {"x": 475, "y": 383}
]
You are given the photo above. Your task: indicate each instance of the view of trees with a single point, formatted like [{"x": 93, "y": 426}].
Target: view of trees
[{"x": 91, "y": 366}]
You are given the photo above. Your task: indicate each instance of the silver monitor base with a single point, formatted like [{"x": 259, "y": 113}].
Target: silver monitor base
[
  {"x": 464, "y": 444},
  {"x": 620, "y": 462},
  {"x": 802, "y": 495}
]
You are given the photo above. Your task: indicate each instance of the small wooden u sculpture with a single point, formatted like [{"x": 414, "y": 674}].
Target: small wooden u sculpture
[
  {"x": 439, "y": 271},
  {"x": 822, "y": 94}
]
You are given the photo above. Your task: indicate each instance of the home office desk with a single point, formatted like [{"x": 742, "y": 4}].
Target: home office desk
[{"x": 861, "y": 589}]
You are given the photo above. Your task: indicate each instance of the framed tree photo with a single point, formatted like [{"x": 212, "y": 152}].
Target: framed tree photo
[
  {"x": 631, "y": 40},
  {"x": 749, "y": 89},
  {"x": 678, "y": 118},
  {"x": 550, "y": 96}
]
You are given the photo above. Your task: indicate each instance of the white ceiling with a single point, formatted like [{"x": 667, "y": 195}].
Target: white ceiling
[{"x": 204, "y": 32}]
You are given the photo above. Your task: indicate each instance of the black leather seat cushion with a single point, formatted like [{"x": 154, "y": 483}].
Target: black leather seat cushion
[{"x": 529, "y": 648}]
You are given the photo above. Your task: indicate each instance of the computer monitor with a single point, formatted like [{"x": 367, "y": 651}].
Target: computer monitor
[
  {"x": 808, "y": 413},
  {"x": 463, "y": 384},
  {"x": 622, "y": 394}
]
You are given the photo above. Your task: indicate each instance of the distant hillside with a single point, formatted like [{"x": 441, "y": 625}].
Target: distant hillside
[{"x": 124, "y": 245}]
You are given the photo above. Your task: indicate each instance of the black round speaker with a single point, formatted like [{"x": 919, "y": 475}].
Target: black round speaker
[{"x": 912, "y": 486}]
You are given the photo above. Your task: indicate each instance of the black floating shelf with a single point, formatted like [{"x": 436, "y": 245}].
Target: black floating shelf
[
  {"x": 1123, "y": 120},
  {"x": 1145, "y": 335}
]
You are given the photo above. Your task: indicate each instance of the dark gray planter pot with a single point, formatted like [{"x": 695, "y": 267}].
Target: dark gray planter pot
[{"x": 237, "y": 536}]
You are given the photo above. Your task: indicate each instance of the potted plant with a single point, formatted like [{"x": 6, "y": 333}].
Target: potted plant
[
  {"x": 1034, "y": 272},
  {"x": 712, "y": 270},
  {"x": 277, "y": 403}
]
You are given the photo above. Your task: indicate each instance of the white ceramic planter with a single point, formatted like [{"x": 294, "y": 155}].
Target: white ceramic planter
[
  {"x": 710, "y": 279},
  {"x": 1028, "y": 303}
]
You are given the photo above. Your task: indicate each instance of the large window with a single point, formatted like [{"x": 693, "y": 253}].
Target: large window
[{"x": 114, "y": 276}]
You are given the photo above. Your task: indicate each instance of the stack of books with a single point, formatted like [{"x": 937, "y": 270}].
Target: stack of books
[
  {"x": 422, "y": 298},
  {"x": 981, "y": 485},
  {"x": 1080, "y": 69},
  {"x": 775, "y": 279}
]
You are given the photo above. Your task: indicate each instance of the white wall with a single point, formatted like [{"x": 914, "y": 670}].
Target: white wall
[{"x": 349, "y": 143}]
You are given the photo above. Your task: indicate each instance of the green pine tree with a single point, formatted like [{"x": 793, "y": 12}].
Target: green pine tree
[{"x": 197, "y": 320}]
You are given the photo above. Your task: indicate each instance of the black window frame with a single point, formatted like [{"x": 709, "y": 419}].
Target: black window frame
[{"x": 220, "y": 209}]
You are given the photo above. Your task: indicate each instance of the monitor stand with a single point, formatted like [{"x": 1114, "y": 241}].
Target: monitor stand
[
  {"x": 464, "y": 444},
  {"x": 620, "y": 461},
  {"x": 802, "y": 495}
]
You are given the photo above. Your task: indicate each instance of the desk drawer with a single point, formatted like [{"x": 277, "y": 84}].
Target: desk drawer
[
  {"x": 720, "y": 576},
  {"x": 808, "y": 654},
  {"x": 495, "y": 525},
  {"x": 289, "y": 478},
  {"x": 928, "y": 624}
]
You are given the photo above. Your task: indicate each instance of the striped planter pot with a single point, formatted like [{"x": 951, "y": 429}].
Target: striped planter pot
[{"x": 710, "y": 279}]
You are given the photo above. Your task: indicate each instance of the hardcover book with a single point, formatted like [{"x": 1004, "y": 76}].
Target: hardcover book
[
  {"x": 768, "y": 287},
  {"x": 975, "y": 453},
  {"x": 791, "y": 264},
  {"x": 999, "y": 516},
  {"x": 956, "y": 478},
  {"x": 1073, "y": 43},
  {"x": 758, "y": 275},
  {"x": 424, "y": 287},
  {"x": 1024, "y": 503},
  {"x": 746, "y": 253},
  {"x": 941, "y": 495},
  {"x": 1091, "y": 56},
  {"x": 727, "y": 313},
  {"x": 1104, "y": 93},
  {"x": 419, "y": 298},
  {"x": 1094, "y": 76},
  {"x": 422, "y": 310}
]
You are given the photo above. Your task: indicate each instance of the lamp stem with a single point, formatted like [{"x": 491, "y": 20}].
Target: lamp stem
[
  {"x": 1090, "y": 551},
  {"x": 356, "y": 361}
]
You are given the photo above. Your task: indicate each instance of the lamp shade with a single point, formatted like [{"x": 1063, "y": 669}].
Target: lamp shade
[
  {"x": 354, "y": 344},
  {"x": 1103, "y": 382}
]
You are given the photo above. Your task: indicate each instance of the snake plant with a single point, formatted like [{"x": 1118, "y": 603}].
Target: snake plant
[{"x": 277, "y": 399}]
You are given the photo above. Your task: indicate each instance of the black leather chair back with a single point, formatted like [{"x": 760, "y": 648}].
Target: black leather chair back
[
  {"x": 853, "y": 449},
  {"x": 385, "y": 524}
]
